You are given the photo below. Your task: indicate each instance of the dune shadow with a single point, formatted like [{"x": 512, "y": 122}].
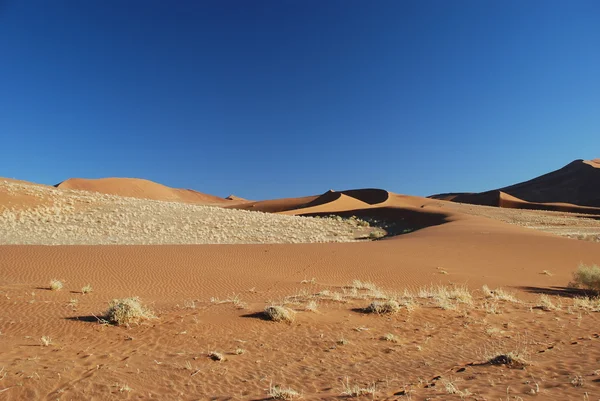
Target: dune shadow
[
  {"x": 395, "y": 220},
  {"x": 88, "y": 318},
  {"x": 257, "y": 315},
  {"x": 566, "y": 292},
  {"x": 363, "y": 311}
]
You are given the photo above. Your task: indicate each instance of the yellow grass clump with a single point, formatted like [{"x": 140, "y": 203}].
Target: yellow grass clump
[
  {"x": 279, "y": 313},
  {"x": 588, "y": 277},
  {"x": 126, "y": 311}
]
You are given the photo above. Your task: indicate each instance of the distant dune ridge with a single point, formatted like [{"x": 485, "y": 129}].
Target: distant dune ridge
[
  {"x": 574, "y": 188},
  {"x": 139, "y": 188}
]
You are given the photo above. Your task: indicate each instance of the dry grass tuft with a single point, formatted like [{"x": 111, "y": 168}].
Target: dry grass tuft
[
  {"x": 56, "y": 285},
  {"x": 587, "y": 277},
  {"x": 279, "y": 313},
  {"x": 546, "y": 304},
  {"x": 86, "y": 289},
  {"x": 499, "y": 294},
  {"x": 312, "y": 306},
  {"x": 383, "y": 307},
  {"x": 46, "y": 341},
  {"x": 354, "y": 390},
  {"x": 282, "y": 393},
  {"x": 127, "y": 311},
  {"x": 588, "y": 304},
  {"x": 390, "y": 337}
]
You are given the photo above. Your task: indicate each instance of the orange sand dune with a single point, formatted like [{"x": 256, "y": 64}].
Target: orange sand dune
[
  {"x": 594, "y": 163},
  {"x": 191, "y": 290},
  {"x": 209, "y": 298},
  {"x": 574, "y": 188},
  {"x": 139, "y": 188},
  {"x": 236, "y": 198},
  {"x": 344, "y": 200},
  {"x": 275, "y": 205},
  {"x": 502, "y": 199}
]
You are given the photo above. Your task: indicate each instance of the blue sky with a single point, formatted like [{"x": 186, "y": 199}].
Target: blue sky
[{"x": 270, "y": 99}]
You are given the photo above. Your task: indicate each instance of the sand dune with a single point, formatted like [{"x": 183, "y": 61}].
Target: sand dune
[
  {"x": 574, "y": 188},
  {"x": 50, "y": 216},
  {"x": 209, "y": 298},
  {"x": 139, "y": 188},
  {"x": 594, "y": 163},
  {"x": 236, "y": 198}
]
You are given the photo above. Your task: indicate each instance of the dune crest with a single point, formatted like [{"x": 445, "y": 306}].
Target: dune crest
[
  {"x": 139, "y": 188},
  {"x": 574, "y": 188}
]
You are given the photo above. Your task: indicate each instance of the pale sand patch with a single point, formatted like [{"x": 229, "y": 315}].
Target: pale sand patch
[{"x": 70, "y": 217}]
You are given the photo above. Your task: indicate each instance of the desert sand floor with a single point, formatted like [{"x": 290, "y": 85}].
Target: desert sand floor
[{"x": 468, "y": 288}]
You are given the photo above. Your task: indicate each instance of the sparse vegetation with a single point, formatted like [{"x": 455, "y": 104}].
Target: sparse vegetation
[
  {"x": 546, "y": 303},
  {"x": 46, "y": 341},
  {"x": 127, "y": 311},
  {"x": 86, "y": 289},
  {"x": 216, "y": 356},
  {"x": 279, "y": 313},
  {"x": 56, "y": 285},
  {"x": 383, "y": 307},
  {"x": 342, "y": 341},
  {"x": 355, "y": 390},
  {"x": 72, "y": 217},
  {"x": 390, "y": 337},
  {"x": 587, "y": 277},
  {"x": 587, "y": 303},
  {"x": 312, "y": 306},
  {"x": 282, "y": 393}
]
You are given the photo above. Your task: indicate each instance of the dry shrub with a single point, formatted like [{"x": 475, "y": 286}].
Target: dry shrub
[
  {"x": 126, "y": 311},
  {"x": 56, "y": 285},
  {"x": 279, "y": 313},
  {"x": 587, "y": 277},
  {"x": 282, "y": 393},
  {"x": 383, "y": 307}
]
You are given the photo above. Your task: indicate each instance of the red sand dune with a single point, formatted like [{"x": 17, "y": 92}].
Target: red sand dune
[
  {"x": 574, "y": 188},
  {"x": 139, "y": 188},
  {"x": 344, "y": 200},
  {"x": 166, "y": 358}
]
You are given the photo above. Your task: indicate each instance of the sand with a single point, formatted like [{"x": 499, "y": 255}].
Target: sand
[
  {"x": 138, "y": 188},
  {"x": 574, "y": 188},
  {"x": 208, "y": 298}
]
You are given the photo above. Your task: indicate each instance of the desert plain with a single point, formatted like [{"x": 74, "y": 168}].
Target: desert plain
[{"x": 379, "y": 295}]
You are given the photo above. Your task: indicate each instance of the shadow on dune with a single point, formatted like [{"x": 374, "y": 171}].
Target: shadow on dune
[
  {"x": 566, "y": 292},
  {"x": 88, "y": 319},
  {"x": 397, "y": 220},
  {"x": 257, "y": 315}
]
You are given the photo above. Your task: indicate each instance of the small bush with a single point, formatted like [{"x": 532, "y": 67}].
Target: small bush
[
  {"x": 46, "y": 341},
  {"x": 216, "y": 356},
  {"x": 86, "y": 289},
  {"x": 511, "y": 359},
  {"x": 127, "y": 311},
  {"x": 377, "y": 234},
  {"x": 278, "y": 313},
  {"x": 354, "y": 390},
  {"x": 588, "y": 277},
  {"x": 383, "y": 307},
  {"x": 312, "y": 306},
  {"x": 282, "y": 393},
  {"x": 56, "y": 285}
]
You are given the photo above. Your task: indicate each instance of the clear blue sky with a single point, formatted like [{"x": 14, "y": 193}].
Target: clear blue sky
[{"x": 283, "y": 98}]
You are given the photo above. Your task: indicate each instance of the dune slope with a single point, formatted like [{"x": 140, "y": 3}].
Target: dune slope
[
  {"x": 573, "y": 188},
  {"x": 139, "y": 188}
]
